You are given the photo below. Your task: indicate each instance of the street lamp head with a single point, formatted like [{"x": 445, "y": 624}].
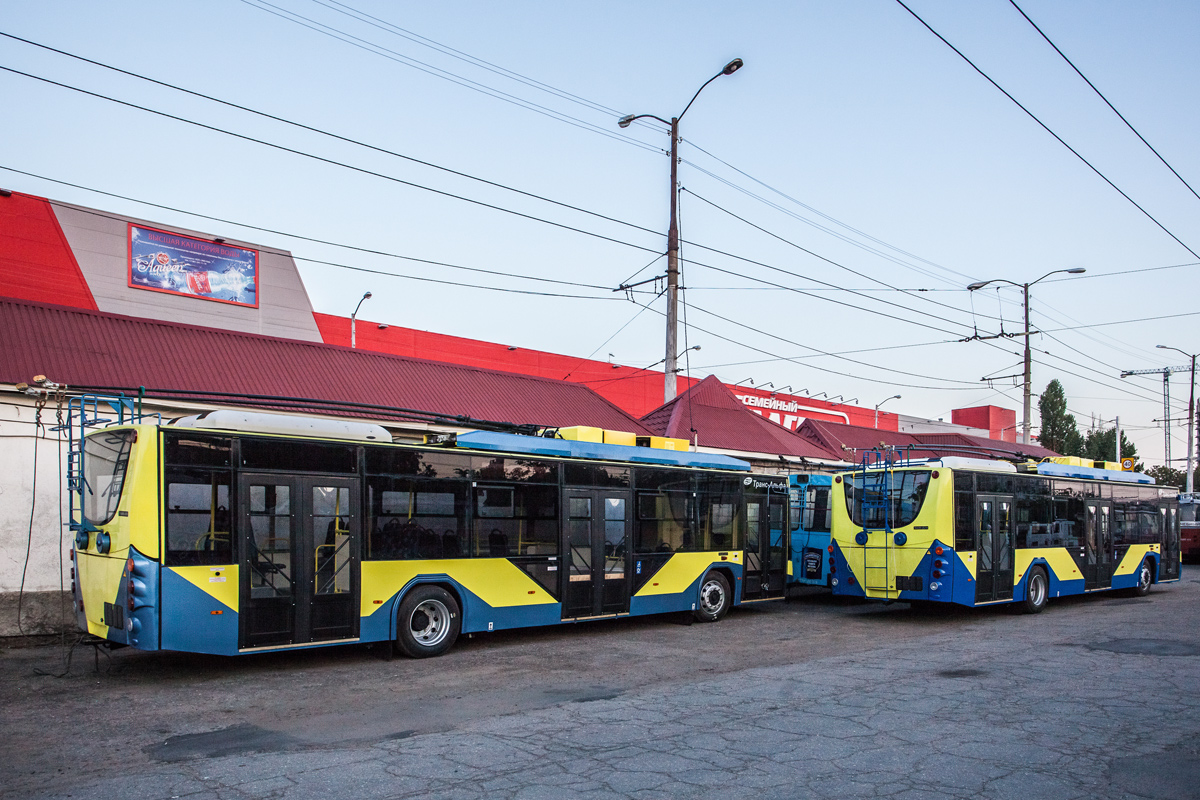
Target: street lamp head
[
  {"x": 625, "y": 120},
  {"x": 367, "y": 296},
  {"x": 1076, "y": 271},
  {"x": 977, "y": 285},
  {"x": 733, "y": 66}
]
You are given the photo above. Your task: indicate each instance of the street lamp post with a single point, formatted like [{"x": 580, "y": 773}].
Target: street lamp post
[
  {"x": 366, "y": 296},
  {"x": 1191, "y": 413},
  {"x": 881, "y": 402},
  {"x": 1028, "y": 359},
  {"x": 673, "y": 229}
]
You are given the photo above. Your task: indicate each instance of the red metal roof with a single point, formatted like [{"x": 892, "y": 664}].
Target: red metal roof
[
  {"x": 844, "y": 438},
  {"x": 634, "y": 389},
  {"x": 36, "y": 263},
  {"x": 721, "y": 420},
  {"x": 95, "y": 349}
]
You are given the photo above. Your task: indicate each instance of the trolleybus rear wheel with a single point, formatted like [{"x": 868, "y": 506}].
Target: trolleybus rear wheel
[
  {"x": 1037, "y": 591},
  {"x": 428, "y": 622},
  {"x": 714, "y": 597},
  {"x": 1145, "y": 578}
]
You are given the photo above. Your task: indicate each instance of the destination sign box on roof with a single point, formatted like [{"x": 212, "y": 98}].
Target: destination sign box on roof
[{"x": 168, "y": 262}]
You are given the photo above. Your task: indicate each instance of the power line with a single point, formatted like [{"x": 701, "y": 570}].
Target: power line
[
  {"x": 400, "y": 58},
  {"x": 1099, "y": 94},
  {"x": 330, "y": 161},
  {"x": 425, "y": 41},
  {"x": 301, "y": 237},
  {"x": 330, "y": 134},
  {"x": 451, "y": 283},
  {"x": 811, "y": 253},
  {"x": 1046, "y": 128},
  {"x": 819, "y": 352},
  {"x": 847, "y": 239}
]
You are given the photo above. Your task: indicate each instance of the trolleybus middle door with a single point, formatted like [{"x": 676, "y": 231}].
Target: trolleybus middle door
[
  {"x": 596, "y": 579},
  {"x": 1097, "y": 540},
  {"x": 994, "y": 573},
  {"x": 299, "y": 559}
]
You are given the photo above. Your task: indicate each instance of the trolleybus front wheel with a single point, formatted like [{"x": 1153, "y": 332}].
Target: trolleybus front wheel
[
  {"x": 714, "y": 598},
  {"x": 428, "y": 622},
  {"x": 1145, "y": 578},
  {"x": 1037, "y": 591}
]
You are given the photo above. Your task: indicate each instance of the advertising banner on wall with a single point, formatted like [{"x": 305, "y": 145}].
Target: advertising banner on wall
[{"x": 170, "y": 262}]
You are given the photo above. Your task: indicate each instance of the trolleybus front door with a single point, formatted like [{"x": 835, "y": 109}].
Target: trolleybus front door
[
  {"x": 1098, "y": 545},
  {"x": 596, "y": 579},
  {"x": 994, "y": 556},
  {"x": 766, "y": 546},
  {"x": 299, "y": 559}
]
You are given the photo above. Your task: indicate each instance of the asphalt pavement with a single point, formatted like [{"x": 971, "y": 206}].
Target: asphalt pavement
[{"x": 1096, "y": 697}]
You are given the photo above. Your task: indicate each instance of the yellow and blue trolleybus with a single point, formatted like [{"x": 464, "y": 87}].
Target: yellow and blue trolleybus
[
  {"x": 976, "y": 532},
  {"x": 236, "y": 532}
]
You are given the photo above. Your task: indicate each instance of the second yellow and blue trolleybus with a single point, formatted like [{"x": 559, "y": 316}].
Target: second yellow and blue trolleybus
[
  {"x": 976, "y": 532},
  {"x": 237, "y": 532}
]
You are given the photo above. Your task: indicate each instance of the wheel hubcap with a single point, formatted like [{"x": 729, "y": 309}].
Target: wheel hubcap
[
  {"x": 1037, "y": 589},
  {"x": 1145, "y": 577},
  {"x": 429, "y": 623},
  {"x": 712, "y": 597}
]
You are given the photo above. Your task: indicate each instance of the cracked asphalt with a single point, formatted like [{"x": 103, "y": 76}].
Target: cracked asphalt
[{"x": 1096, "y": 697}]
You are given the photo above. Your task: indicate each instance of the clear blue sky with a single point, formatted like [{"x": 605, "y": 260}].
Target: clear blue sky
[{"x": 852, "y": 132}]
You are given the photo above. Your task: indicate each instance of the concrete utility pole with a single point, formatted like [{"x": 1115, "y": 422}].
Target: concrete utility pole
[
  {"x": 1028, "y": 377},
  {"x": 669, "y": 387}
]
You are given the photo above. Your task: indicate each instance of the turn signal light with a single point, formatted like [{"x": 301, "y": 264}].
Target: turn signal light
[{"x": 938, "y": 550}]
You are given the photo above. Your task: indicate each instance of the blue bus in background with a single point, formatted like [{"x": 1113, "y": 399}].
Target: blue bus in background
[{"x": 810, "y": 524}]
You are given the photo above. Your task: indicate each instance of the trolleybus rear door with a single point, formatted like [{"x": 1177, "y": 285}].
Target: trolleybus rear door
[
  {"x": 299, "y": 559},
  {"x": 994, "y": 573},
  {"x": 766, "y": 545},
  {"x": 1097, "y": 542},
  {"x": 1169, "y": 565},
  {"x": 596, "y": 578}
]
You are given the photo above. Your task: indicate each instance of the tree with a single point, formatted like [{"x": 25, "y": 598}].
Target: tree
[
  {"x": 1169, "y": 476},
  {"x": 1099, "y": 445},
  {"x": 1058, "y": 430}
]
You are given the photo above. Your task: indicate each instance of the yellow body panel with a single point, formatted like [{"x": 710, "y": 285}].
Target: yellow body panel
[
  {"x": 1133, "y": 558},
  {"x": 681, "y": 571},
  {"x": 140, "y": 496},
  {"x": 1057, "y": 558},
  {"x": 496, "y": 581},
  {"x": 219, "y": 582},
  {"x": 99, "y": 580}
]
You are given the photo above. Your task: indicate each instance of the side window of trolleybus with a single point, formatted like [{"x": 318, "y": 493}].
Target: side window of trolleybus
[
  {"x": 106, "y": 455},
  {"x": 197, "y": 481}
]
